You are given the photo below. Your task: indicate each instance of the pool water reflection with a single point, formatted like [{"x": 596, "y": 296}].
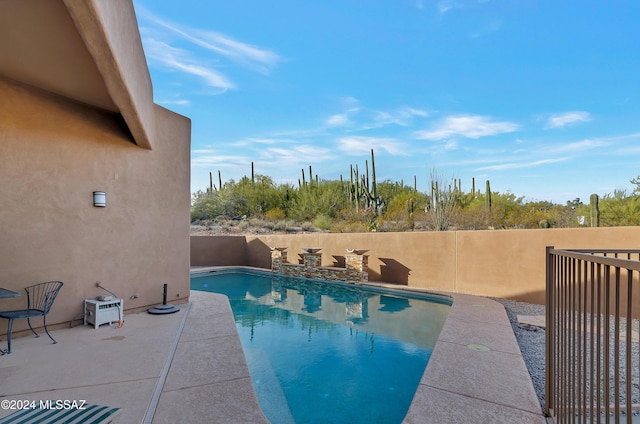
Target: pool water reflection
[{"x": 325, "y": 352}]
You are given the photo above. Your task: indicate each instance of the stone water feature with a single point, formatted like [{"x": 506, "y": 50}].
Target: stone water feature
[{"x": 355, "y": 270}]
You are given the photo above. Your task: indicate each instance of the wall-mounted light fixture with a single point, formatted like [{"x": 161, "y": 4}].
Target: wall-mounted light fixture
[{"x": 99, "y": 199}]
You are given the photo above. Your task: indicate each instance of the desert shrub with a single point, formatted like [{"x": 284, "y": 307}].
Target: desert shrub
[
  {"x": 395, "y": 226},
  {"x": 275, "y": 214},
  {"x": 349, "y": 227},
  {"x": 307, "y": 226},
  {"x": 326, "y": 198},
  {"x": 208, "y": 205},
  {"x": 282, "y": 225},
  {"x": 322, "y": 222},
  {"x": 242, "y": 225},
  {"x": 619, "y": 209},
  {"x": 256, "y": 221}
]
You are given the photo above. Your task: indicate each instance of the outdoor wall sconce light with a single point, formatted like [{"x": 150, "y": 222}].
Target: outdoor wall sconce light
[{"x": 99, "y": 199}]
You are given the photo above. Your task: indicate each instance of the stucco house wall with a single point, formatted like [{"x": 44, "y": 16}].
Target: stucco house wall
[{"x": 55, "y": 151}]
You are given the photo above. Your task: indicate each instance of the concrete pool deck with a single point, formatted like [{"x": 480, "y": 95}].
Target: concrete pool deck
[{"x": 189, "y": 367}]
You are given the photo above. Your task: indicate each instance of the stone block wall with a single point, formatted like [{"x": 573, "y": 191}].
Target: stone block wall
[{"x": 355, "y": 270}]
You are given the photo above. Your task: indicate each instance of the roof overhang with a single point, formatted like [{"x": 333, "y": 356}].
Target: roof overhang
[{"x": 85, "y": 50}]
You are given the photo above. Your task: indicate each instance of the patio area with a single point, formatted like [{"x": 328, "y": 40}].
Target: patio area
[
  {"x": 188, "y": 367},
  {"x": 183, "y": 367}
]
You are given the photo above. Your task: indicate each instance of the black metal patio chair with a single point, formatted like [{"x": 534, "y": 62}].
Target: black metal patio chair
[{"x": 40, "y": 298}]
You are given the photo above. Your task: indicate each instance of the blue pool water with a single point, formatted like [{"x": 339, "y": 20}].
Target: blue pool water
[{"x": 323, "y": 352}]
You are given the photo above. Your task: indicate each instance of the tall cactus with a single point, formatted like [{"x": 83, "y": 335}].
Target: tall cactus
[
  {"x": 373, "y": 184},
  {"x": 488, "y": 194},
  {"x": 595, "y": 211},
  {"x": 364, "y": 188}
]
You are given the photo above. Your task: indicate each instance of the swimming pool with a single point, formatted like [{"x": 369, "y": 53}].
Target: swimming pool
[{"x": 323, "y": 352}]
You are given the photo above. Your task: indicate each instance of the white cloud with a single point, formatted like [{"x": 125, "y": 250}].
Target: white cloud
[
  {"x": 580, "y": 146},
  {"x": 445, "y": 5},
  {"x": 300, "y": 154},
  {"x": 563, "y": 119},
  {"x": 200, "y": 52},
  {"x": 177, "y": 59},
  {"x": 338, "y": 119},
  {"x": 521, "y": 165},
  {"x": 248, "y": 55},
  {"x": 359, "y": 145},
  {"x": 261, "y": 60},
  {"x": 402, "y": 116},
  {"x": 212, "y": 159},
  {"x": 177, "y": 102},
  {"x": 469, "y": 126},
  {"x": 251, "y": 141}
]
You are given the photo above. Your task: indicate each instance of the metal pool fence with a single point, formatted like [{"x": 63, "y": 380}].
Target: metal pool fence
[{"x": 592, "y": 355}]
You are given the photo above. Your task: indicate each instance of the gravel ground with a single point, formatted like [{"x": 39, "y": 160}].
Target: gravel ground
[
  {"x": 532, "y": 345},
  {"x": 531, "y": 341}
]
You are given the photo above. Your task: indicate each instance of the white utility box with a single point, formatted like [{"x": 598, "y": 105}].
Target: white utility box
[{"x": 98, "y": 312}]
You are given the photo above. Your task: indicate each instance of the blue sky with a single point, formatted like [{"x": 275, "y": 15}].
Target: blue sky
[{"x": 542, "y": 98}]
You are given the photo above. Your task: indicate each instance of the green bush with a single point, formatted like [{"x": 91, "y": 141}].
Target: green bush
[
  {"x": 322, "y": 222},
  {"x": 275, "y": 214}
]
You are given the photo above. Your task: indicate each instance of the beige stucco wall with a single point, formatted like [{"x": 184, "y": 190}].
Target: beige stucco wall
[
  {"x": 234, "y": 253},
  {"x": 53, "y": 154},
  {"x": 502, "y": 263}
]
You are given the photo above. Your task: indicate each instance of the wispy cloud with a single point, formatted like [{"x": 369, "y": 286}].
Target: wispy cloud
[
  {"x": 176, "y": 102},
  {"x": 580, "y": 146},
  {"x": 338, "y": 119},
  {"x": 211, "y": 158},
  {"x": 257, "y": 58},
  {"x": 468, "y": 126},
  {"x": 563, "y": 119},
  {"x": 361, "y": 145},
  {"x": 487, "y": 29},
  {"x": 366, "y": 119},
  {"x": 257, "y": 141},
  {"x": 200, "y": 51},
  {"x": 619, "y": 144},
  {"x": 522, "y": 165},
  {"x": 444, "y": 6},
  {"x": 173, "y": 58},
  {"x": 402, "y": 116},
  {"x": 293, "y": 155}
]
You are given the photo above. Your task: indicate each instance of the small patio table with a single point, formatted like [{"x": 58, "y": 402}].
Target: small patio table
[{"x": 6, "y": 293}]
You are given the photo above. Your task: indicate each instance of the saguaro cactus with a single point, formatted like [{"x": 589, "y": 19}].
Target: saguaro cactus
[
  {"x": 374, "y": 191},
  {"x": 488, "y": 194},
  {"x": 595, "y": 211},
  {"x": 363, "y": 189}
]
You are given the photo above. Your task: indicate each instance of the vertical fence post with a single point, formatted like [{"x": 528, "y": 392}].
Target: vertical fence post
[{"x": 549, "y": 334}]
